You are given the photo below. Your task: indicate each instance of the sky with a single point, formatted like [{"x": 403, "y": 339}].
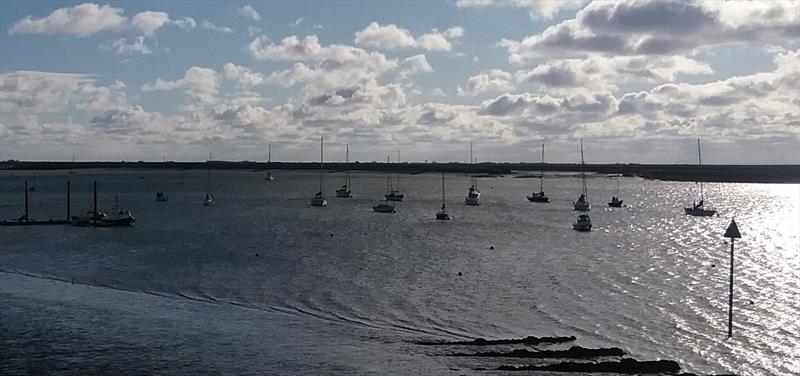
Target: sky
[{"x": 637, "y": 81}]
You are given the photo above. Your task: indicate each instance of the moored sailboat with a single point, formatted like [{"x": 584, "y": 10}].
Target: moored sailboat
[
  {"x": 616, "y": 202},
  {"x": 344, "y": 191},
  {"x": 209, "y": 199},
  {"x": 699, "y": 208},
  {"x": 473, "y": 194},
  {"x": 442, "y": 213},
  {"x": 319, "y": 198},
  {"x": 582, "y": 204},
  {"x": 540, "y": 196},
  {"x": 393, "y": 193},
  {"x": 269, "y": 176}
]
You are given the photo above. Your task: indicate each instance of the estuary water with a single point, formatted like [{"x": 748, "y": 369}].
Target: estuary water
[{"x": 262, "y": 283}]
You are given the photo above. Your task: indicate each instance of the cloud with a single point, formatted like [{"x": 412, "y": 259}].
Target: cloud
[
  {"x": 206, "y": 24},
  {"x": 539, "y": 9},
  {"x": 148, "y": 22},
  {"x": 604, "y": 73},
  {"x": 185, "y": 23},
  {"x": 79, "y": 21},
  {"x": 485, "y": 81},
  {"x": 392, "y": 37},
  {"x": 659, "y": 28},
  {"x": 248, "y": 12},
  {"x": 414, "y": 65},
  {"x": 200, "y": 83},
  {"x": 296, "y": 22},
  {"x": 31, "y": 92},
  {"x": 123, "y": 47},
  {"x": 243, "y": 76}
]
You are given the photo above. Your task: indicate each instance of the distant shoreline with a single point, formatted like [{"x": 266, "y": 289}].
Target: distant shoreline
[{"x": 674, "y": 172}]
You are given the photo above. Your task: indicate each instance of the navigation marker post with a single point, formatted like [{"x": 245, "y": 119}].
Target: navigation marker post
[{"x": 731, "y": 232}]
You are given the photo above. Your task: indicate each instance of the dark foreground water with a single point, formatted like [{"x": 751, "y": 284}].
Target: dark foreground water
[{"x": 261, "y": 283}]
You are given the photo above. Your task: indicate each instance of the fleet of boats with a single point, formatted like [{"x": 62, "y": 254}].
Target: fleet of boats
[{"x": 118, "y": 216}]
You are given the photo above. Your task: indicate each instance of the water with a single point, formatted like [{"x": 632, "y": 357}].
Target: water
[{"x": 345, "y": 290}]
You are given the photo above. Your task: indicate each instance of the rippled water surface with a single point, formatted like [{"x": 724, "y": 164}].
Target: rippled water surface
[{"x": 264, "y": 283}]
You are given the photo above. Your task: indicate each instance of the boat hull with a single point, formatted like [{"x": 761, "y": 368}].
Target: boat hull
[
  {"x": 615, "y": 204},
  {"x": 581, "y": 206},
  {"x": 699, "y": 212},
  {"x": 319, "y": 202},
  {"x": 383, "y": 209},
  {"x": 583, "y": 227},
  {"x": 343, "y": 193},
  {"x": 538, "y": 198},
  {"x": 394, "y": 197},
  {"x": 471, "y": 201},
  {"x": 442, "y": 216}
]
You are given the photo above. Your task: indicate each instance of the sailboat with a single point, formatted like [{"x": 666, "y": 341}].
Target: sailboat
[
  {"x": 442, "y": 213},
  {"x": 161, "y": 196},
  {"x": 473, "y": 194},
  {"x": 385, "y": 206},
  {"x": 584, "y": 223},
  {"x": 698, "y": 209},
  {"x": 319, "y": 198},
  {"x": 615, "y": 201},
  {"x": 392, "y": 193},
  {"x": 269, "y": 176},
  {"x": 344, "y": 191},
  {"x": 582, "y": 204},
  {"x": 540, "y": 196},
  {"x": 209, "y": 200}
]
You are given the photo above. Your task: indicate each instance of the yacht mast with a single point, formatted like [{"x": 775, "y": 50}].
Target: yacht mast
[
  {"x": 541, "y": 176},
  {"x": 583, "y": 172},
  {"x": 700, "y": 163},
  {"x": 347, "y": 165},
  {"x": 321, "y": 163}
]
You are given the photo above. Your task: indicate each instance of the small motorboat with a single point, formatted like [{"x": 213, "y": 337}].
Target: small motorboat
[
  {"x": 209, "y": 200},
  {"x": 319, "y": 200},
  {"x": 615, "y": 202},
  {"x": 161, "y": 196},
  {"x": 583, "y": 223},
  {"x": 383, "y": 207},
  {"x": 582, "y": 204},
  {"x": 538, "y": 197},
  {"x": 117, "y": 217}
]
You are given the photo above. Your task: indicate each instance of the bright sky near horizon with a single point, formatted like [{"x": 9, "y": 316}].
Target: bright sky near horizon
[{"x": 638, "y": 81}]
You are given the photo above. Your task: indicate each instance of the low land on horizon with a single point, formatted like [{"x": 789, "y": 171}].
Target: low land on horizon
[{"x": 675, "y": 172}]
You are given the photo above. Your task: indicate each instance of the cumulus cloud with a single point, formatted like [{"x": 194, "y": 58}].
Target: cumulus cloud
[
  {"x": 79, "y": 21},
  {"x": 208, "y": 25},
  {"x": 121, "y": 46},
  {"x": 186, "y": 23},
  {"x": 392, "y": 36},
  {"x": 659, "y": 28},
  {"x": 47, "y": 92},
  {"x": 248, "y": 12},
  {"x": 539, "y": 9},
  {"x": 148, "y": 22},
  {"x": 243, "y": 76},
  {"x": 485, "y": 81},
  {"x": 414, "y": 65},
  {"x": 200, "y": 83}
]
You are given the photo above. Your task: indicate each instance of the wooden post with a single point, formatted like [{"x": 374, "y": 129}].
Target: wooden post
[
  {"x": 26, "y": 201},
  {"x": 68, "y": 201}
]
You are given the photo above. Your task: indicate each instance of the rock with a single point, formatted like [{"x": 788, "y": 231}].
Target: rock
[
  {"x": 576, "y": 352},
  {"x": 529, "y": 340},
  {"x": 625, "y": 365}
]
